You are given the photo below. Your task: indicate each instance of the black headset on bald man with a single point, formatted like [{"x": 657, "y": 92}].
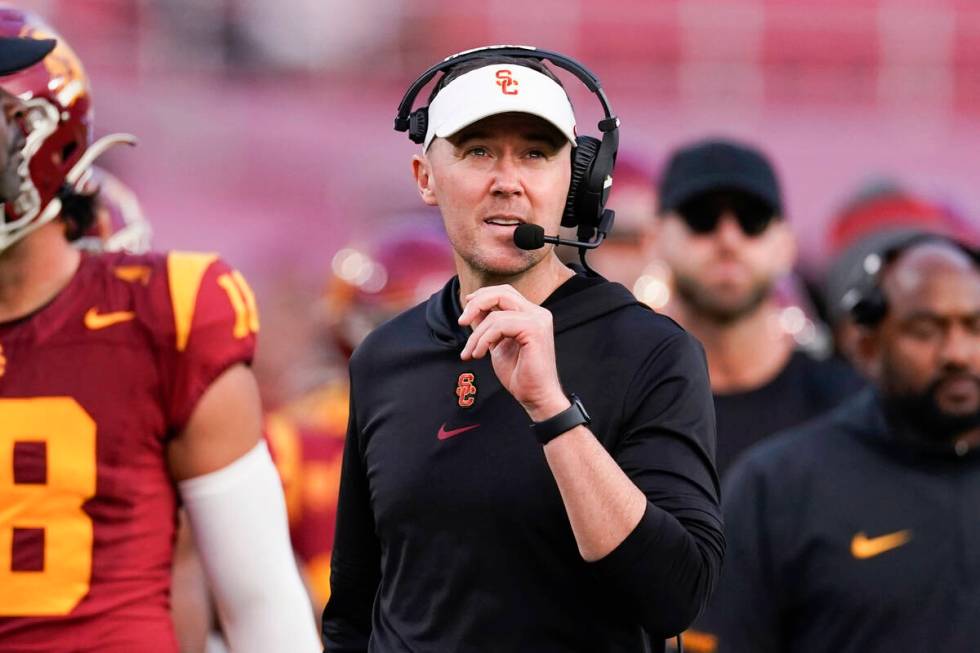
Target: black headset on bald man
[
  {"x": 593, "y": 159},
  {"x": 865, "y": 300}
]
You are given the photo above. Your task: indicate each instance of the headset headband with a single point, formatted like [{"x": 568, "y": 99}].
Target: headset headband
[
  {"x": 609, "y": 123},
  {"x": 866, "y": 301}
]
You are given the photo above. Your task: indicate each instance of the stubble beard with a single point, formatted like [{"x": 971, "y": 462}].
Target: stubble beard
[
  {"x": 704, "y": 303},
  {"x": 491, "y": 273}
]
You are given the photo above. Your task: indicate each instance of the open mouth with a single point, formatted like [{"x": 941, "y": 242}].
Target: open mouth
[{"x": 503, "y": 221}]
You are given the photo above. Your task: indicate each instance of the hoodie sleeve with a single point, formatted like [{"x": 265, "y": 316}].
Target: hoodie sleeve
[
  {"x": 667, "y": 567},
  {"x": 355, "y": 565}
]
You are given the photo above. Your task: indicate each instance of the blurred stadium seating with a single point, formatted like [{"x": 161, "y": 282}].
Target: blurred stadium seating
[{"x": 266, "y": 133}]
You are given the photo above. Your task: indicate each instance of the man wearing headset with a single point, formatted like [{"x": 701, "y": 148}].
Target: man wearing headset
[
  {"x": 481, "y": 507},
  {"x": 859, "y": 532}
]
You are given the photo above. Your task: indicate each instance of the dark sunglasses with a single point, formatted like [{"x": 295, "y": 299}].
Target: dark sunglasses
[{"x": 702, "y": 213}]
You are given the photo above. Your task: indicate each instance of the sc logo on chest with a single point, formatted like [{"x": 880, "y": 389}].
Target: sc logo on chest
[{"x": 466, "y": 389}]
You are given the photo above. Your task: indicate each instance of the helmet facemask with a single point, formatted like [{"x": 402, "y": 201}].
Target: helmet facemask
[
  {"x": 35, "y": 121},
  {"x": 54, "y": 116}
]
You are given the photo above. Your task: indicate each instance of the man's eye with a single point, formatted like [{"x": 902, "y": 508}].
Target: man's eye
[
  {"x": 923, "y": 329},
  {"x": 477, "y": 151},
  {"x": 537, "y": 154}
]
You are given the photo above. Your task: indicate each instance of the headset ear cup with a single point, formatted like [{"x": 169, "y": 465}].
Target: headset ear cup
[
  {"x": 583, "y": 159},
  {"x": 870, "y": 309},
  {"x": 418, "y": 125}
]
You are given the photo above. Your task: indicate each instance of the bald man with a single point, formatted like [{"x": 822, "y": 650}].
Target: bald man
[{"x": 861, "y": 531}]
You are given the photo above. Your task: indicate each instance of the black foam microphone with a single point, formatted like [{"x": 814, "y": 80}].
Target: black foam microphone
[{"x": 531, "y": 236}]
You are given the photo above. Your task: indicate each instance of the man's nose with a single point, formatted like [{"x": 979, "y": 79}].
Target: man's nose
[
  {"x": 506, "y": 177},
  {"x": 728, "y": 231},
  {"x": 960, "y": 347}
]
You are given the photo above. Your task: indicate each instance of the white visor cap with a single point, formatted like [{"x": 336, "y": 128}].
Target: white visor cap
[{"x": 498, "y": 88}]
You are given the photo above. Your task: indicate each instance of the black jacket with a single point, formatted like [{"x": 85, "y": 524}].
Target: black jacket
[
  {"x": 463, "y": 544},
  {"x": 844, "y": 535}
]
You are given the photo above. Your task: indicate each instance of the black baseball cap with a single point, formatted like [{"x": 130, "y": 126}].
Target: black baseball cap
[
  {"x": 718, "y": 165},
  {"x": 17, "y": 53}
]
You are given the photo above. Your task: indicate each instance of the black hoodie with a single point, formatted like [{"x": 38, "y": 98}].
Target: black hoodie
[
  {"x": 451, "y": 534},
  {"x": 849, "y": 535}
]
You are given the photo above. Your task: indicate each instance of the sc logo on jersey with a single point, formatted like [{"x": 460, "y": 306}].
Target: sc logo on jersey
[
  {"x": 505, "y": 81},
  {"x": 465, "y": 389}
]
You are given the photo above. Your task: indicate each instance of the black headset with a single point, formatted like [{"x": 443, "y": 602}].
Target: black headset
[
  {"x": 866, "y": 301},
  {"x": 592, "y": 161}
]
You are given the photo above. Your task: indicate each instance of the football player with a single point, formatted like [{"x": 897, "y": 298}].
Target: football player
[
  {"x": 124, "y": 391},
  {"x": 368, "y": 285}
]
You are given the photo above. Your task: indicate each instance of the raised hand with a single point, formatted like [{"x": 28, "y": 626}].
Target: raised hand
[{"x": 520, "y": 339}]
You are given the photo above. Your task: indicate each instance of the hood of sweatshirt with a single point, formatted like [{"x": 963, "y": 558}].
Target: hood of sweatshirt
[{"x": 580, "y": 300}]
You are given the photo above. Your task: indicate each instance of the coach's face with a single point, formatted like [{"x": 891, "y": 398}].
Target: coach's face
[
  {"x": 491, "y": 176},
  {"x": 925, "y": 355}
]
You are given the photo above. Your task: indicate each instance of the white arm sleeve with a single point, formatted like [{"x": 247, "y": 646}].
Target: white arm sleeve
[{"x": 238, "y": 517}]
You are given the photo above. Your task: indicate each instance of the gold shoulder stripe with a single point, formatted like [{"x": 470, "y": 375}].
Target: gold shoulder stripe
[
  {"x": 134, "y": 273},
  {"x": 185, "y": 270}
]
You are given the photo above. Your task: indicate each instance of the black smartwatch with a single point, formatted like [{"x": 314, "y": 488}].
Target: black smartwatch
[{"x": 566, "y": 420}]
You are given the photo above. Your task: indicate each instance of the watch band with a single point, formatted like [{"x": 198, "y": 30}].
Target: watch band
[{"x": 566, "y": 420}]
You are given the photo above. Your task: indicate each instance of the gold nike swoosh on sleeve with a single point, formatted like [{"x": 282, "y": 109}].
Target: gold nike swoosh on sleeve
[
  {"x": 95, "y": 320},
  {"x": 864, "y": 547}
]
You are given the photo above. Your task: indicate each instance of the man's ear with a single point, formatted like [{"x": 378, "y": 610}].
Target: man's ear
[{"x": 422, "y": 171}]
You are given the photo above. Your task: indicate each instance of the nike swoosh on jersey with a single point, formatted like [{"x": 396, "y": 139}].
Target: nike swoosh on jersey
[
  {"x": 864, "y": 547},
  {"x": 445, "y": 435},
  {"x": 95, "y": 320}
]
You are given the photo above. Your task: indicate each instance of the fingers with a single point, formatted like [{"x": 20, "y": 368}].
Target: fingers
[
  {"x": 496, "y": 327},
  {"x": 492, "y": 298},
  {"x": 523, "y": 328}
]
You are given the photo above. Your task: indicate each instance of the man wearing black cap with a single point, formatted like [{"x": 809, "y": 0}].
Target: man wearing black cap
[{"x": 722, "y": 234}]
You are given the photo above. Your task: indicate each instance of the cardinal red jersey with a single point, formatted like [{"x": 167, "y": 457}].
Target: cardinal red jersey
[
  {"x": 92, "y": 386},
  {"x": 307, "y": 442}
]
